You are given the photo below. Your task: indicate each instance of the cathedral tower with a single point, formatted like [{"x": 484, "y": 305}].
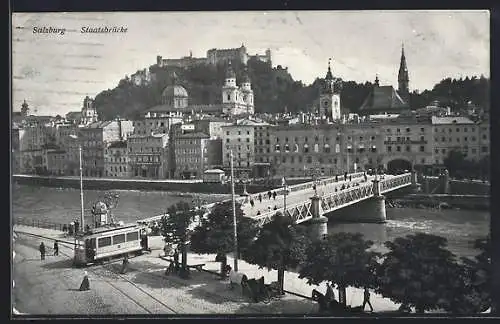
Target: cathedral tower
[
  {"x": 403, "y": 79},
  {"x": 330, "y": 96},
  {"x": 229, "y": 91}
]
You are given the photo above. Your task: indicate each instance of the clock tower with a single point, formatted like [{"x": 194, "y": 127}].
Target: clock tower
[{"x": 329, "y": 98}]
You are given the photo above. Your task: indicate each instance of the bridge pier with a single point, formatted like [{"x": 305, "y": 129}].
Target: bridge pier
[
  {"x": 318, "y": 223},
  {"x": 375, "y": 207},
  {"x": 415, "y": 186},
  {"x": 444, "y": 181}
]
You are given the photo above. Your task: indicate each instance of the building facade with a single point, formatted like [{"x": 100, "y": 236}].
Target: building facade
[
  {"x": 148, "y": 155},
  {"x": 89, "y": 112},
  {"x": 194, "y": 153},
  {"x": 116, "y": 160}
]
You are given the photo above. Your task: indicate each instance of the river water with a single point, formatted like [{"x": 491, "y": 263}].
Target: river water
[{"x": 460, "y": 227}]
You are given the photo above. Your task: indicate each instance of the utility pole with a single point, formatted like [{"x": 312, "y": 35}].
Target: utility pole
[
  {"x": 81, "y": 190},
  {"x": 235, "y": 228}
]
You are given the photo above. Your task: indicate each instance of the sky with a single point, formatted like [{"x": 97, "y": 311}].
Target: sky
[{"x": 54, "y": 72}]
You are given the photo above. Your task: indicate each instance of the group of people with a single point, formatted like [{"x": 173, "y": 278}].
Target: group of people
[
  {"x": 74, "y": 227},
  {"x": 330, "y": 295},
  {"x": 42, "y": 250}
]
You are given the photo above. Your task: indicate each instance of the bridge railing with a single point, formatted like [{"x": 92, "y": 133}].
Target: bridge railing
[
  {"x": 346, "y": 196},
  {"x": 396, "y": 181},
  {"x": 37, "y": 223}
]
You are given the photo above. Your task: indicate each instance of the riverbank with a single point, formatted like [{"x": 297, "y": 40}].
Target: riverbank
[
  {"x": 441, "y": 201},
  {"x": 50, "y": 286},
  {"x": 192, "y": 186}
]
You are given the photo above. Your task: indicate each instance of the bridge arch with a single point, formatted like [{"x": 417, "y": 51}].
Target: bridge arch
[{"x": 397, "y": 163}]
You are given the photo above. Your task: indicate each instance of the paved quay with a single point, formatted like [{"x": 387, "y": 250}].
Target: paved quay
[{"x": 51, "y": 286}]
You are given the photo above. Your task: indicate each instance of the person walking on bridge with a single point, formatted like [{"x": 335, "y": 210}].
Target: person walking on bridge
[
  {"x": 260, "y": 198},
  {"x": 56, "y": 248},
  {"x": 41, "y": 248},
  {"x": 269, "y": 194},
  {"x": 274, "y": 195}
]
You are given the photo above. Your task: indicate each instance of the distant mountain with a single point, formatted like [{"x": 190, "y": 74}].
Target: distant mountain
[{"x": 274, "y": 89}]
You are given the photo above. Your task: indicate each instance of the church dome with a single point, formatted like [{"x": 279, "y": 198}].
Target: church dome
[{"x": 174, "y": 91}]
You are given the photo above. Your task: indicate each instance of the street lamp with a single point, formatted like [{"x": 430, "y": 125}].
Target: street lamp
[
  {"x": 285, "y": 192},
  {"x": 81, "y": 181},
  {"x": 234, "y": 217}
]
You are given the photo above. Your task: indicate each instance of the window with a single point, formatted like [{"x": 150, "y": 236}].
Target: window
[
  {"x": 408, "y": 129},
  {"x": 248, "y": 132},
  {"x": 443, "y": 151},
  {"x": 474, "y": 151},
  {"x": 227, "y": 133},
  {"x": 133, "y": 236},
  {"x": 422, "y": 161},
  {"x": 398, "y": 130},
  {"x": 484, "y": 149},
  {"x": 388, "y": 130},
  {"x": 287, "y": 148},
  {"x": 408, "y": 148},
  {"x": 283, "y": 159},
  {"x": 306, "y": 148},
  {"x": 300, "y": 158},
  {"x": 389, "y": 148},
  {"x": 248, "y": 140},
  {"x": 296, "y": 148},
  {"x": 422, "y": 148},
  {"x": 316, "y": 148},
  {"x": 309, "y": 159},
  {"x": 484, "y": 136},
  {"x": 436, "y": 151},
  {"x": 286, "y": 139},
  {"x": 104, "y": 241},
  {"x": 473, "y": 138},
  {"x": 421, "y": 138},
  {"x": 117, "y": 239},
  {"x": 436, "y": 139},
  {"x": 361, "y": 138},
  {"x": 398, "y": 148},
  {"x": 316, "y": 138},
  {"x": 458, "y": 130},
  {"x": 227, "y": 140},
  {"x": 239, "y": 132},
  {"x": 465, "y": 139},
  {"x": 422, "y": 130},
  {"x": 465, "y": 129},
  {"x": 305, "y": 139},
  {"x": 277, "y": 148}
]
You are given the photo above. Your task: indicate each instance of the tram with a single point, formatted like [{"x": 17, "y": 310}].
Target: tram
[{"x": 108, "y": 242}]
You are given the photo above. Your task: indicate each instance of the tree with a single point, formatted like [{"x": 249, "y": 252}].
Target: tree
[
  {"x": 474, "y": 293},
  {"x": 343, "y": 259},
  {"x": 174, "y": 228},
  {"x": 418, "y": 271},
  {"x": 280, "y": 245},
  {"x": 215, "y": 234}
]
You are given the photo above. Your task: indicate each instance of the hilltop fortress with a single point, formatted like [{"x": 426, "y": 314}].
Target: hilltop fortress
[{"x": 215, "y": 56}]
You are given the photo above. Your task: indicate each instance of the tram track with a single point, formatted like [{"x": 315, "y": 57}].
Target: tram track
[{"x": 94, "y": 269}]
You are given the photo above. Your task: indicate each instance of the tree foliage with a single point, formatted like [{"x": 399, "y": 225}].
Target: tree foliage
[
  {"x": 280, "y": 245},
  {"x": 460, "y": 167},
  {"x": 343, "y": 259},
  {"x": 419, "y": 271},
  {"x": 215, "y": 234}
]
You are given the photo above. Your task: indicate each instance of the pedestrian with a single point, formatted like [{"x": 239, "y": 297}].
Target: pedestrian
[
  {"x": 336, "y": 178},
  {"x": 42, "y": 251},
  {"x": 71, "y": 228},
  {"x": 85, "y": 285},
  {"x": 345, "y": 176},
  {"x": 269, "y": 194},
  {"x": 366, "y": 178},
  {"x": 258, "y": 212},
  {"x": 274, "y": 195},
  {"x": 176, "y": 259},
  {"x": 330, "y": 295},
  {"x": 65, "y": 228},
  {"x": 269, "y": 208},
  {"x": 260, "y": 198},
  {"x": 87, "y": 228},
  {"x": 366, "y": 300},
  {"x": 124, "y": 264},
  {"x": 166, "y": 249},
  {"x": 275, "y": 207},
  {"x": 252, "y": 203},
  {"x": 56, "y": 248},
  {"x": 314, "y": 186},
  {"x": 350, "y": 178},
  {"x": 77, "y": 226}
]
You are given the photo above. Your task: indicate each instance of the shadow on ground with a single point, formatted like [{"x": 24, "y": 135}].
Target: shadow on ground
[{"x": 59, "y": 264}]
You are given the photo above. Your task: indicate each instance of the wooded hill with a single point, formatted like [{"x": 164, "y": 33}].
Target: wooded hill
[{"x": 274, "y": 90}]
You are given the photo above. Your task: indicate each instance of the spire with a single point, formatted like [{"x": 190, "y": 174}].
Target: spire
[
  {"x": 329, "y": 75},
  {"x": 246, "y": 77},
  {"x": 402, "y": 65},
  {"x": 403, "y": 79}
]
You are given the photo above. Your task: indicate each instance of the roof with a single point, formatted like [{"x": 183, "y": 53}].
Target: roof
[
  {"x": 74, "y": 115},
  {"x": 382, "y": 98},
  {"x": 118, "y": 144},
  {"x": 50, "y": 146},
  {"x": 247, "y": 122},
  {"x": 176, "y": 90},
  {"x": 98, "y": 124},
  {"x": 449, "y": 120},
  {"x": 214, "y": 171},
  {"x": 193, "y": 135}
]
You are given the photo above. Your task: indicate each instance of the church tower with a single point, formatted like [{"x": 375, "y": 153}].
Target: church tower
[
  {"x": 329, "y": 98},
  {"x": 89, "y": 113},
  {"x": 25, "y": 109},
  {"x": 229, "y": 91},
  {"x": 247, "y": 92},
  {"x": 403, "y": 79}
]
